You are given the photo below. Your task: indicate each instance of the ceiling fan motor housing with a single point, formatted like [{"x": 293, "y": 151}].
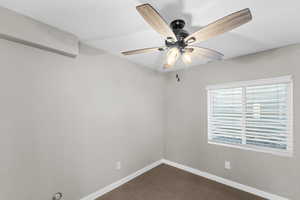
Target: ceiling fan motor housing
[{"x": 177, "y": 27}]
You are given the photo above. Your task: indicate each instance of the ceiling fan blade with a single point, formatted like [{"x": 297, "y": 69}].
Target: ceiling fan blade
[
  {"x": 146, "y": 50},
  {"x": 156, "y": 21},
  {"x": 207, "y": 53},
  {"x": 220, "y": 26},
  {"x": 172, "y": 57}
]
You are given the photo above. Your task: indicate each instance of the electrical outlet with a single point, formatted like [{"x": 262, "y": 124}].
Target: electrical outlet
[
  {"x": 227, "y": 164},
  {"x": 118, "y": 165}
]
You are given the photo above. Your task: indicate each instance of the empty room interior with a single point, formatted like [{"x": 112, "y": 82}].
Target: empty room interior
[{"x": 149, "y": 100}]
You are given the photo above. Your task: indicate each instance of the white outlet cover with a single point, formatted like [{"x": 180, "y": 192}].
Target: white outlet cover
[
  {"x": 227, "y": 165},
  {"x": 118, "y": 165}
]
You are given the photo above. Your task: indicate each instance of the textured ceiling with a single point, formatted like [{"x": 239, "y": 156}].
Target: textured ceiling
[{"x": 115, "y": 25}]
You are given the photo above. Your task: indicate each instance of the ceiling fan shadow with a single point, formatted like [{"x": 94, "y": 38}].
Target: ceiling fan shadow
[{"x": 172, "y": 10}]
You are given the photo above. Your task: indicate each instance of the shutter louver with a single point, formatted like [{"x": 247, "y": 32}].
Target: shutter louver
[
  {"x": 225, "y": 117},
  {"x": 253, "y": 115},
  {"x": 267, "y": 115}
]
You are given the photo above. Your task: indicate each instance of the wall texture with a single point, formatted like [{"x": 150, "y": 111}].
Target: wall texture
[
  {"x": 186, "y": 127},
  {"x": 65, "y": 122}
]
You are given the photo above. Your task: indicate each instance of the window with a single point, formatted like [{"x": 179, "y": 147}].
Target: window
[{"x": 253, "y": 115}]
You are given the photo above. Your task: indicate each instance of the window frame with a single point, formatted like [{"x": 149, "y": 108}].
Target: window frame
[{"x": 277, "y": 80}]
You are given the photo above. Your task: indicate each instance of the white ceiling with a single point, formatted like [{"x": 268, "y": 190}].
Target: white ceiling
[{"x": 115, "y": 25}]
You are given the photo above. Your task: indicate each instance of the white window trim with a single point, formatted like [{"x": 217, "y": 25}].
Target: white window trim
[
  {"x": 282, "y": 79},
  {"x": 277, "y": 80}
]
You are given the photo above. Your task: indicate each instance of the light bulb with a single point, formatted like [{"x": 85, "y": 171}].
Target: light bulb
[
  {"x": 172, "y": 56},
  {"x": 187, "y": 58}
]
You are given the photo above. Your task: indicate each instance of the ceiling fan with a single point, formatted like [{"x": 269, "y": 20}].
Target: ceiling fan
[{"x": 178, "y": 42}]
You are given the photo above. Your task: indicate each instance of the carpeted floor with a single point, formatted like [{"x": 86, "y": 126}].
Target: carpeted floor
[{"x": 168, "y": 183}]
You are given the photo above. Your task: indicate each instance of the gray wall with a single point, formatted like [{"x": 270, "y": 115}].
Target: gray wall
[
  {"x": 65, "y": 122},
  {"x": 186, "y": 128}
]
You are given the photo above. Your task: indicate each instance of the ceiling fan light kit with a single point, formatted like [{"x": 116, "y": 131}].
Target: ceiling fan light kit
[
  {"x": 187, "y": 57},
  {"x": 172, "y": 56},
  {"x": 178, "y": 42}
]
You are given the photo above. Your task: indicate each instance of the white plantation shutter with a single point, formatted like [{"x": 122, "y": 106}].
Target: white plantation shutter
[
  {"x": 226, "y": 115},
  {"x": 253, "y": 114}
]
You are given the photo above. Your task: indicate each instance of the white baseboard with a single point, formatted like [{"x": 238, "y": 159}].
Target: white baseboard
[
  {"x": 118, "y": 183},
  {"x": 225, "y": 181},
  {"x": 218, "y": 179}
]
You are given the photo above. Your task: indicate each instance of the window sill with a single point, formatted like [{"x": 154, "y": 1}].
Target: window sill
[{"x": 256, "y": 149}]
